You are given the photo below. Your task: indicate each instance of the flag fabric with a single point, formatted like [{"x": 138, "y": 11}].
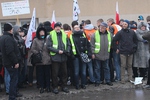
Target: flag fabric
[
  {"x": 117, "y": 14},
  {"x": 76, "y": 10},
  {"x": 31, "y": 31},
  {"x": 53, "y": 20}
]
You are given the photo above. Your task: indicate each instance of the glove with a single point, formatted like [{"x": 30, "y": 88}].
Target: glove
[{"x": 144, "y": 41}]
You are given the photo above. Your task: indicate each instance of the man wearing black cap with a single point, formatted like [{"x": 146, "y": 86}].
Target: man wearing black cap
[
  {"x": 126, "y": 47},
  {"x": 10, "y": 58},
  {"x": 59, "y": 47}
]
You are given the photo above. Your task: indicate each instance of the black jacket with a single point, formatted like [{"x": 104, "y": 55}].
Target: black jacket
[
  {"x": 21, "y": 44},
  {"x": 82, "y": 43},
  {"x": 127, "y": 41},
  {"x": 9, "y": 49}
]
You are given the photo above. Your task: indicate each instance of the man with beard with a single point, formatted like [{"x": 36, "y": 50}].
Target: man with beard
[{"x": 127, "y": 44}]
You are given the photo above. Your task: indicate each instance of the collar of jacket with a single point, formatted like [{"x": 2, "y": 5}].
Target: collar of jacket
[
  {"x": 103, "y": 33},
  {"x": 126, "y": 30},
  {"x": 7, "y": 33}
]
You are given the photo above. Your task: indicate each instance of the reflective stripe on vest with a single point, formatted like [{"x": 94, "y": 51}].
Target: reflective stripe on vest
[
  {"x": 97, "y": 41},
  {"x": 54, "y": 38},
  {"x": 73, "y": 46}
]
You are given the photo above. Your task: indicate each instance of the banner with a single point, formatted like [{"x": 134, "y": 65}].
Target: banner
[
  {"x": 76, "y": 10},
  {"x": 31, "y": 31},
  {"x": 15, "y": 8}
]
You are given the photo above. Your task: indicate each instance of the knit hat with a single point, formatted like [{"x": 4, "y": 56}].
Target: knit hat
[
  {"x": 127, "y": 22},
  {"x": 103, "y": 24},
  {"x": 140, "y": 17},
  {"x": 57, "y": 25},
  {"x": 7, "y": 27}
]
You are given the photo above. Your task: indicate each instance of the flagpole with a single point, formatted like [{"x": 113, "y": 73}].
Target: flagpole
[{"x": 18, "y": 21}]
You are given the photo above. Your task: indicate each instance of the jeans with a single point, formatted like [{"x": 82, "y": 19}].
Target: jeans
[
  {"x": 116, "y": 59},
  {"x": 98, "y": 65},
  {"x": 7, "y": 80},
  {"x": 90, "y": 71},
  {"x": 13, "y": 72},
  {"x": 79, "y": 66},
  {"x": 44, "y": 76}
]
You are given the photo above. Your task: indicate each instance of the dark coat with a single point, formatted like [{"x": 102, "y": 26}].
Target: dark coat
[
  {"x": 82, "y": 43},
  {"x": 127, "y": 41},
  {"x": 21, "y": 44},
  {"x": 9, "y": 49},
  {"x": 58, "y": 57},
  {"x": 37, "y": 47}
]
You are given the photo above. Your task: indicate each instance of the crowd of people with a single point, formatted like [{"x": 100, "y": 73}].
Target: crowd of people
[{"x": 75, "y": 55}]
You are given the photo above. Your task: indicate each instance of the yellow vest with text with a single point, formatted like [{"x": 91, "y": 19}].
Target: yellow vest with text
[
  {"x": 97, "y": 41},
  {"x": 54, "y": 38}
]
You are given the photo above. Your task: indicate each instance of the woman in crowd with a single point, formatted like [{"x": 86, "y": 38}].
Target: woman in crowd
[
  {"x": 39, "y": 45},
  {"x": 80, "y": 44},
  {"x": 141, "y": 56}
]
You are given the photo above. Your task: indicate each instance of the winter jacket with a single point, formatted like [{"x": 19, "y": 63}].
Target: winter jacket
[
  {"x": 37, "y": 47},
  {"x": 81, "y": 43},
  {"x": 146, "y": 36},
  {"x": 141, "y": 56},
  {"x": 103, "y": 54},
  {"x": 127, "y": 41},
  {"x": 9, "y": 49},
  {"x": 61, "y": 46}
]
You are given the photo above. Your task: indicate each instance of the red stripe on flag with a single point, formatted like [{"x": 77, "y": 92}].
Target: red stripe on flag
[
  {"x": 117, "y": 18},
  {"x": 52, "y": 24},
  {"x": 33, "y": 35},
  {"x": 117, "y": 13}
]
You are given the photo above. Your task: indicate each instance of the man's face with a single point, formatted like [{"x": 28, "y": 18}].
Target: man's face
[
  {"x": 124, "y": 25},
  {"x": 57, "y": 29},
  {"x": 76, "y": 28},
  {"x": 11, "y": 31},
  {"x": 102, "y": 28},
  {"x": 109, "y": 23},
  {"x": 21, "y": 33},
  {"x": 121, "y": 23},
  {"x": 98, "y": 23}
]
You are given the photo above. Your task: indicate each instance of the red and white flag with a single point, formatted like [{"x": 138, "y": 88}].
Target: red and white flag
[
  {"x": 32, "y": 31},
  {"x": 53, "y": 20},
  {"x": 117, "y": 14}
]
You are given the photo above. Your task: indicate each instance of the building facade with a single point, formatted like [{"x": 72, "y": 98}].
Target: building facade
[{"x": 90, "y": 9}]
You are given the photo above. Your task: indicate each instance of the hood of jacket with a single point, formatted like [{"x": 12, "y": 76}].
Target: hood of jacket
[
  {"x": 16, "y": 30},
  {"x": 38, "y": 32},
  {"x": 89, "y": 27}
]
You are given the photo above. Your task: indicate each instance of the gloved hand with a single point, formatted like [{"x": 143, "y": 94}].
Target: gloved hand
[{"x": 144, "y": 41}]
